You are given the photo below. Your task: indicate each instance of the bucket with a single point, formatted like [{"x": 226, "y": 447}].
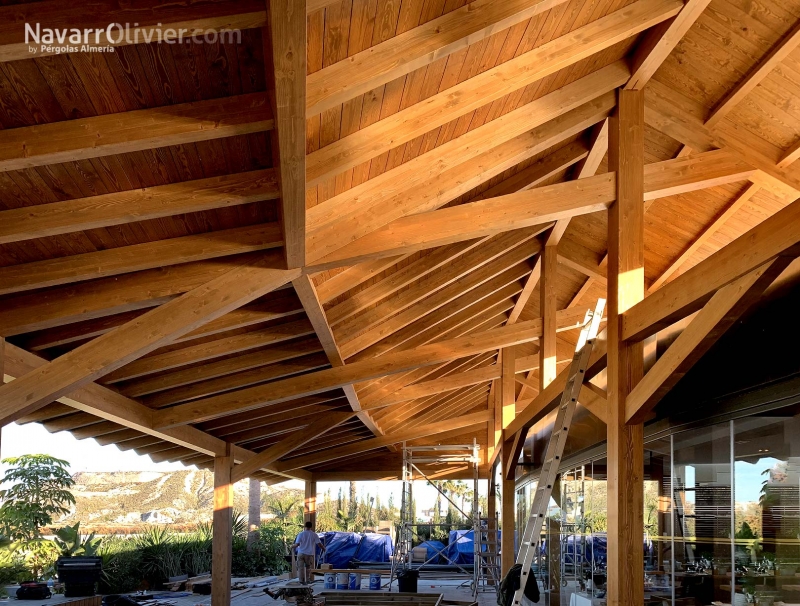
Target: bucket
[
  {"x": 375, "y": 581},
  {"x": 330, "y": 580},
  {"x": 354, "y": 580},
  {"x": 341, "y": 580}
]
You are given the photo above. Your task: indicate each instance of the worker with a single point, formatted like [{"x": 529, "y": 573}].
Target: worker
[{"x": 306, "y": 546}]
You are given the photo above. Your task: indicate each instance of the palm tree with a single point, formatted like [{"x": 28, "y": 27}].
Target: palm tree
[{"x": 283, "y": 508}]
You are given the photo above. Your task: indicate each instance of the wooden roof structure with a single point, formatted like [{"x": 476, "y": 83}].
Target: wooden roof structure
[{"x": 309, "y": 244}]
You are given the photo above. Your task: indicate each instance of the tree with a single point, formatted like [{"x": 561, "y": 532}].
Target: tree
[{"x": 38, "y": 491}]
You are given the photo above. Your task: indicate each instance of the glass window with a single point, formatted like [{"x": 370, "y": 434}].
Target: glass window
[{"x": 767, "y": 510}]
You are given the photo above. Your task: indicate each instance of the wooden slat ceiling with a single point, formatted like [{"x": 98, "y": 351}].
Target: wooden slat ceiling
[{"x": 381, "y": 143}]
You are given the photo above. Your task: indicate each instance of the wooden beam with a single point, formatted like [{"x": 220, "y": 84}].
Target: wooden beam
[
  {"x": 537, "y": 208},
  {"x": 140, "y": 336},
  {"x": 776, "y": 236},
  {"x": 416, "y": 48},
  {"x": 625, "y": 359},
  {"x": 290, "y": 443},
  {"x": 660, "y": 41},
  {"x": 720, "y": 220},
  {"x": 132, "y": 131},
  {"x": 55, "y": 218},
  {"x": 325, "y": 380},
  {"x": 486, "y": 87},
  {"x": 285, "y": 43},
  {"x": 222, "y": 539},
  {"x": 310, "y": 503},
  {"x": 316, "y": 314},
  {"x": 598, "y": 148},
  {"x": 680, "y": 117},
  {"x": 507, "y": 386},
  {"x": 710, "y": 323},
  {"x": 462, "y": 424},
  {"x": 154, "y": 21},
  {"x": 351, "y": 277},
  {"x": 138, "y": 257},
  {"x": 756, "y": 75},
  {"x": 112, "y": 406},
  {"x": 530, "y": 284},
  {"x": 459, "y": 165}
]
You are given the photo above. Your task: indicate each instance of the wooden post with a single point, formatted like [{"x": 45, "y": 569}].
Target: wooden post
[
  {"x": 625, "y": 359},
  {"x": 507, "y": 514},
  {"x": 554, "y": 548},
  {"x": 253, "y": 511},
  {"x": 310, "y": 506},
  {"x": 221, "y": 542},
  {"x": 491, "y": 513},
  {"x": 547, "y": 309}
]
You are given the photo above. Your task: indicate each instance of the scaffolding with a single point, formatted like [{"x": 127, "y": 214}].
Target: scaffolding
[{"x": 485, "y": 570}]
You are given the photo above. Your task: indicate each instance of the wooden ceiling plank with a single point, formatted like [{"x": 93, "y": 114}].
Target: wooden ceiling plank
[
  {"x": 260, "y": 311},
  {"x": 454, "y": 168},
  {"x": 660, "y": 41},
  {"x": 245, "y": 378},
  {"x": 500, "y": 273},
  {"x": 711, "y": 322},
  {"x": 469, "y": 259},
  {"x": 132, "y": 131},
  {"x": 26, "y": 223},
  {"x": 486, "y": 87},
  {"x": 139, "y": 337},
  {"x": 221, "y": 368},
  {"x": 285, "y": 43},
  {"x": 776, "y": 236},
  {"x": 720, "y": 220},
  {"x": 464, "y": 423},
  {"x": 319, "y": 320},
  {"x": 416, "y": 48},
  {"x": 155, "y": 19},
  {"x": 290, "y": 443},
  {"x": 756, "y": 75},
  {"x": 409, "y": 274},
  {"x": 138, "y": 257},
  {"x": 318, "y": 382},
  {"x": 111, "y": 406},
  {"x": 225, "y": 346},
  {"x": 537, "y": 209},
  {"x": 351, "y": 277}
]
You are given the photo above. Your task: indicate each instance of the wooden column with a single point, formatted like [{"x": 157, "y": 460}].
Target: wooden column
[
  {"x": 625, "y": 359},
  {"x": 221, "y": 541},
  {"x": 310, "y": 506},
  {"x": 547, "y": 310},
  {"x": 554, "y": 548},
  {"x": 253, "y": 511},
  {"x": 491, "y": 513},
  {"x": 507, "y": 514}
]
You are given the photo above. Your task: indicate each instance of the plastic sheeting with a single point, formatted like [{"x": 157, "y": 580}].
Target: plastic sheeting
[
  {"x": 435, "y": 552},
  {"x": 342, "y": 547},
  {"x": 461, "y": 547}
]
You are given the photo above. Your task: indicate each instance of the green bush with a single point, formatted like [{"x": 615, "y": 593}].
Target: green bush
[{"x": 159, "y": 553}]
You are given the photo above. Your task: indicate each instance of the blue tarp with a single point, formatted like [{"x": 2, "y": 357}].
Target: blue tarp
[
  {"x": 342, "y": 547},
  {"x": 461, "y": 548},
  {"x": 435, "y": 550}
]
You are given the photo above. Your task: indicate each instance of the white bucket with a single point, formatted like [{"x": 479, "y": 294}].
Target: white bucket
[
  {"x": 330, "y": 580},
  {"x": 354, "y": 580},
  {"x": 342, "y": 579}
]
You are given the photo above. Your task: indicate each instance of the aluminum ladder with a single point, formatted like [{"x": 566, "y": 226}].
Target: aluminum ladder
[{"x": 555, "y": 446}]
